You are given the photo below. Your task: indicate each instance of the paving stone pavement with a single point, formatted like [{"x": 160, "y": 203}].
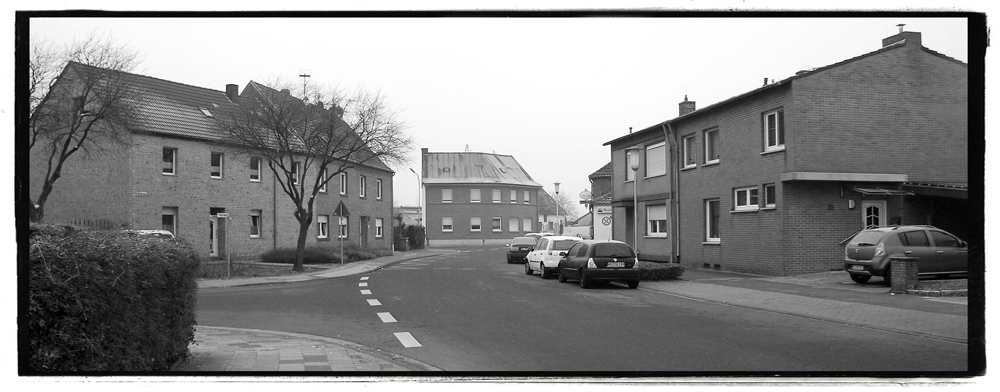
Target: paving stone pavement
[{"x": 218, "y": 349}]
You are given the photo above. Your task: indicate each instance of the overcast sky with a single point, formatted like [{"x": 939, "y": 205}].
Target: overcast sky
[{"x": 548, "y": 91}]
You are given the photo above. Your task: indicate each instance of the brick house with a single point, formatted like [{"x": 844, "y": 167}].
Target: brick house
[
  {"x": 474, "y": 198},
  {"x": 175, "y": 174},
  {"x": 601, "y": 193},
  {"x": 774, "y": 180}
]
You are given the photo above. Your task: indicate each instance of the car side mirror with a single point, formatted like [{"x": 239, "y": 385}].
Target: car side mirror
[{"x": 562, "y": 253}]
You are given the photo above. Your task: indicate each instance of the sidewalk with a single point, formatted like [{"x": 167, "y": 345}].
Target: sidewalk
[{"x": 823, "y": 296}]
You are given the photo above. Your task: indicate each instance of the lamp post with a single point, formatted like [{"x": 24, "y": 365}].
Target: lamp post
[
  {"x": 420, "y": 209},
  {"x": 558, "y": 226},
  {"x": 633, "y": 163}
]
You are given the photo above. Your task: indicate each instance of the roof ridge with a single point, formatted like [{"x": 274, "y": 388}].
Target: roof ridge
[{"x": 150, "y": 77}]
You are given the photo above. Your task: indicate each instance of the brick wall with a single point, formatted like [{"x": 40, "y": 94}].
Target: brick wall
[{"x": 461, "y": 210}]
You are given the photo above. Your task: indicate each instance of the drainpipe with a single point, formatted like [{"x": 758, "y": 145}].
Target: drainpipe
[
  {"x": 674, "y": 193},
  {"x": 274, "y": 211}
]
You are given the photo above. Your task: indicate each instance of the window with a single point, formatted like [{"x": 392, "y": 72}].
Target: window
[
  {"x": 656, "y": 219},
  {"x": 712, "y": 233},
  {"x": 712, "y": 146},
  {"x": 770, "y": 196},
  {"x": 322, "y": 180},
  {"x": 255, "y": 223},
  {"x": 343, "y": 226},
  {"x": 512, "y": 225},
  {"x": 944, "y": 240},
  {"x": 496, "y": 195},
  {"x": 526, "y": 224},
  {"x": 475, "y": 195},
  {"x": 656, "y": 160},
  {"x": 296, "y": 172},
  {"x": 496, "y": 224},
  {"x": 378, "y": 189},
  {"x": 255, "y": 164},
  {"x": 476, "y": 224},
  {"x": 363, "y": 185},
  {"x": 746, "y": 199},
  {"x": 629, "y": 174},
  {"x": 914, "y": 238},
  {"x": 513, "y": 196},
  {"x": 216, "y": 165},
  {"x": 323, "y": 225},
  {"x": 168, "y": 217},
  {"x": 446, "y": 195},
  {"x": 343, "y": 183},
  {"x": 774, "y": 131},
  {"x": 206, "y": 112},
  {"x": 527, "y": 197},
  {"x": 169, "y": 161},
  {"x": 378, "y": 227},
  {"x": 688, "y": 152},
  {"x": 446, "y": 224}
]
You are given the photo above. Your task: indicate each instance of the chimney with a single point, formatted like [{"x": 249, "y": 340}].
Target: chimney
[
  {"x": 903, "y": 37},
  {"x": 286, "y": 91},
  {"x": 233, "y": 92},
  {"x": 686, "y": 106},
  {"x": 423, "y": 151}
]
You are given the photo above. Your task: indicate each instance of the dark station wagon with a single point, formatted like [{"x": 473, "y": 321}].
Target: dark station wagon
[
  {"x": 605, "y": 261},
  {"x": 518, "y": 248},
  {"x": 870, "y": 252}
]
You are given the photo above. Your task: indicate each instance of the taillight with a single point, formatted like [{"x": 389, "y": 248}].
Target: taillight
[
  {"x": 590, "y": 263},
  {"x": 880, "y": 249},
  {"x": 635, "y": 264}
]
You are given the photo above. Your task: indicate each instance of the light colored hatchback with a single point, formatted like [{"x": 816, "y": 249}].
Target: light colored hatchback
[{"x": 544, "y": 258}]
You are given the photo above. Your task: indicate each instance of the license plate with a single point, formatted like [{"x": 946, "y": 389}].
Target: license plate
[
  {"x": 616, "y": 264},
  {"x": 857, "y": 267},
  {"x": 523, "y": 248}
]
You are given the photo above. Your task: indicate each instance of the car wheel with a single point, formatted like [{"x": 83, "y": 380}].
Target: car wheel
[
  {"x": 541, "y": 271},
  {"x": 527, "y": 268},
  {"x": 887, "y": 274},
  {"x": 508, "y": 260},
  {"x": 584, "y": 282},
  {"x": 860, "y": 278},
  {"x": 633, "y": 284},
  {"x": 562, "y": 278}
]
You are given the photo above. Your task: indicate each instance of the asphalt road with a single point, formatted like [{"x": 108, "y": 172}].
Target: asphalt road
[{"x": 471, "y": 311}]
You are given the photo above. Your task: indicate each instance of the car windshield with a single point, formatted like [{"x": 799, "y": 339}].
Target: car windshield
[
  {"x": 868, "y": 237},
  {"x": 613, "y": 250},
  {"x": 523, "y": 241},
  {"x": 563, "y": 244}
]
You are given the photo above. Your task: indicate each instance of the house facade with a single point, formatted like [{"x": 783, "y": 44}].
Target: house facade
[
  {"x": 601, "y": 195},
  {"x": 474, "y": 198},
  {"x": 774, "y": 181},
  {"x": 175, "y": 174}
]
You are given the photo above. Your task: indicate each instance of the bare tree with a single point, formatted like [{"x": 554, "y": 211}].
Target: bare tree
[
  {"x": 566, "y": 207},
  {"x": 326, "y": 134},
  {"x": 88, "y": 105}
]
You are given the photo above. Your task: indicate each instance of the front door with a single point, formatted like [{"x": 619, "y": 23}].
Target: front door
[
  {"x": 213, "y": 236},
  {"x": 872, "y": 213}
]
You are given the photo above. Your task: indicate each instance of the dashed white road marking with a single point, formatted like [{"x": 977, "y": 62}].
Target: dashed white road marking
[
  {"x": 407, "y": 340},
  {"x": 374, "y": 302},
  {"x": 362, "y": 284},
  {"x": 386, "y": 317},
  {"x": 366, "y": 292},
  {"x": 364, "y": 278}
]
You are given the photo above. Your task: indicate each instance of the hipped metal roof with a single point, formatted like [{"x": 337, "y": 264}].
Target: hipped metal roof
[{"x": 475, "y": 168}]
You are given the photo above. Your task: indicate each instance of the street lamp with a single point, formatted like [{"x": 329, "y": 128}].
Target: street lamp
[
  {"x": 420, "y": 209},
  {"x": 558, "y": 232},
  {"x": 633, "y": 163}
]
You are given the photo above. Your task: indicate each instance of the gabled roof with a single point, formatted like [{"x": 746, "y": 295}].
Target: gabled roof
[
  {"x": 474, "y": 168},
  {"x": 658, "y": 127},
  {"x": 604, "y": 171}
]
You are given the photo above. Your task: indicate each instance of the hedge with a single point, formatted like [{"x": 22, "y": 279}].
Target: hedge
[
  {"x": 103, "y": 301},
  {"x": 652, "y": 271},
  {"x": 324, "y": 255}
]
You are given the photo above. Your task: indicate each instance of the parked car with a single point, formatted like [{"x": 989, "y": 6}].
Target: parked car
[
  {"x": 607, "y": 261},
  {"x": 870, "y": 252},
  {"x": 538, "y": 235},
  {"x": 544, "y": 258},
  {"x": 518, "y": 248}
]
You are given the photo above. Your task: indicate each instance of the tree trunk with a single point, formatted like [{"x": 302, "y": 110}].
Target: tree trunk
[{"x": 300, "y": 247}]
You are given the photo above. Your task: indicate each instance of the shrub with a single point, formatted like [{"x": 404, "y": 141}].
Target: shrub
[
  {"x": 652, "y": 271},
  {"x": 102, "y": 301},
  {"x": 416, "y": 234},
  {"x": 324, "y": 255}
]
